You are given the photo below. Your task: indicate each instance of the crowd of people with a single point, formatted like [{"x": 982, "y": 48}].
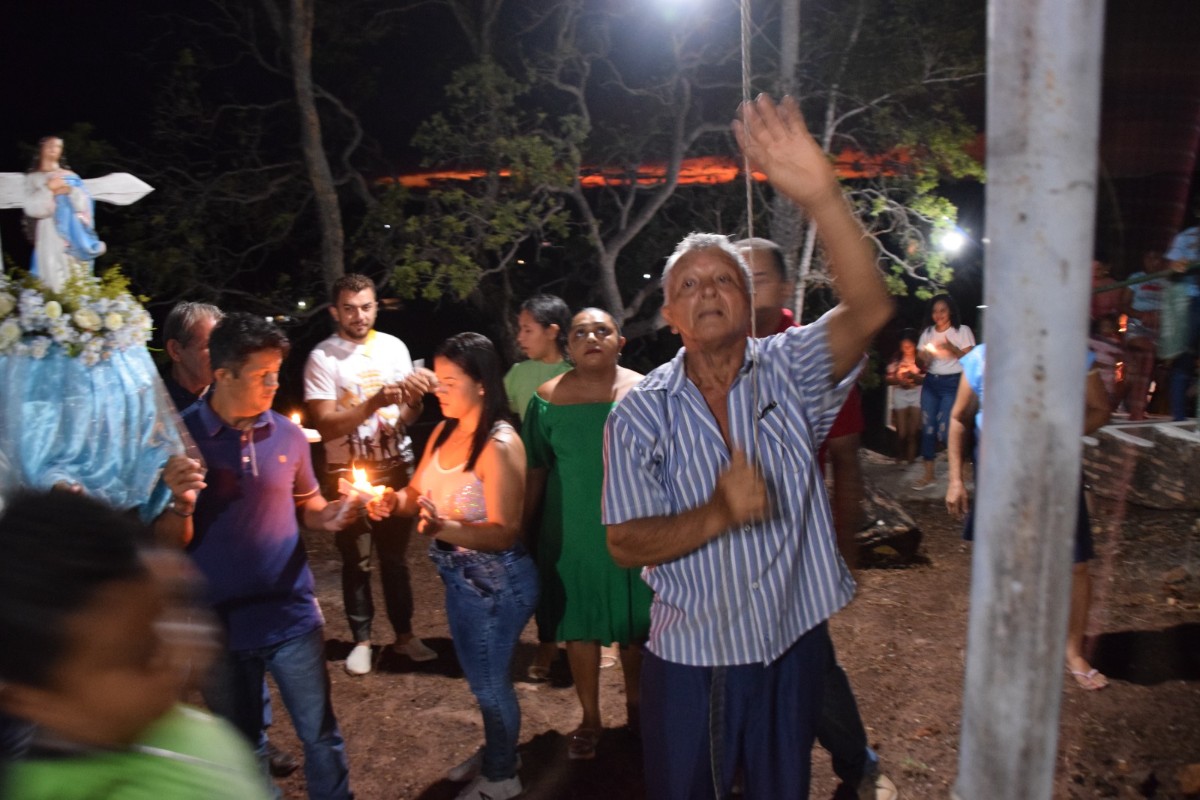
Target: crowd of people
[
  {"x": 671, "y": 515},
  {"x": 1145, "y": 331}
]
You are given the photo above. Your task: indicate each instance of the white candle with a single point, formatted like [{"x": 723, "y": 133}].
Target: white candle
[{"x": 360, "y": 486}]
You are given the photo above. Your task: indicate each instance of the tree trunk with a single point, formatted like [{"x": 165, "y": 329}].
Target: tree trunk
[{"x": 329, "y": 213}]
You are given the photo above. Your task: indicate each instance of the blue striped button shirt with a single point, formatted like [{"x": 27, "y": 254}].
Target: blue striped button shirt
[{"x": 748, "y": 595}]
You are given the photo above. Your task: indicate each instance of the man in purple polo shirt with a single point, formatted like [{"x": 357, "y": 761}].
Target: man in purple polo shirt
[{"x": 243, "y": 532}]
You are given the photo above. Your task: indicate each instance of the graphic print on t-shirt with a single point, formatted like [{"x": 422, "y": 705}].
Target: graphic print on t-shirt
[{"x": 375, "y": 440}]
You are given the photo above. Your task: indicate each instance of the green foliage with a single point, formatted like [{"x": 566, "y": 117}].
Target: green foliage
[
  {"x": 229, "y": 194},
  {"x": 893, "y": 77},
  {"x": 447, "y": 241}
]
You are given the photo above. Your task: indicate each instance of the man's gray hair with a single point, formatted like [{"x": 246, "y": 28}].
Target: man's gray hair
[
  {"x": 183, "y": 318},
  {"x": 696, "y": 242}
]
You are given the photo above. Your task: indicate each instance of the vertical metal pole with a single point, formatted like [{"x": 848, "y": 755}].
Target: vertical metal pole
[{"x": 1043, "y": 119}]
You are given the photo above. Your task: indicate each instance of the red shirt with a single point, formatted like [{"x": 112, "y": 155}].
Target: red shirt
[{"x": 850, "y": 419}]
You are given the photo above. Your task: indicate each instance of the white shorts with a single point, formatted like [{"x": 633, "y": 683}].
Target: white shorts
[{"x": 906, "y": 398}]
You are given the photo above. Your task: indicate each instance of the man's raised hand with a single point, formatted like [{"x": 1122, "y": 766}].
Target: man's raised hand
[{"x": 776, "y": 140}]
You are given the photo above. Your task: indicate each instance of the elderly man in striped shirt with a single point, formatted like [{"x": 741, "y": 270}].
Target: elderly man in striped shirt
[{"x": 711, "y": 484}]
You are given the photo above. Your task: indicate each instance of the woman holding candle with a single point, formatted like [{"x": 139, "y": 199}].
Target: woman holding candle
[
  {"x": 940, "y": 347},
  {"x": 905, "y": 375},
  {"x": 586, "y": 598},
  {"x": 468, "y": 492}
]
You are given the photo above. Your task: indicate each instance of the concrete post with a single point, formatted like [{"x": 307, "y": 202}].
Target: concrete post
[{"x": 1043, "y": 129}]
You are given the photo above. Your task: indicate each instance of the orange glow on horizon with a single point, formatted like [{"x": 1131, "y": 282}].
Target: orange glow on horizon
[{"x": 697, "y": 171}]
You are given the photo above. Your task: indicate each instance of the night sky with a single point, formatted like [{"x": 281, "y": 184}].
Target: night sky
[{"x": 66, "y": 62}]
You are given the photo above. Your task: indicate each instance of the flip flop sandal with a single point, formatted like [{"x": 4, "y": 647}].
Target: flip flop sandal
[
  {"x": 1090, "y": 681},
  {"x": 581, "y": 744}
]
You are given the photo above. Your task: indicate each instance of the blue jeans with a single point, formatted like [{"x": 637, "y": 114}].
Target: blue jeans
[
  {"x": 489, "y": 599},
  {"x": 1181, "y": 379},
  {"x": 937, "y": 400},
  {"x": 235, "y": 692}
]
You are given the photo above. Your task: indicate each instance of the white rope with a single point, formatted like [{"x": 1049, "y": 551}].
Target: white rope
[
  {"x": 749, "y": 182},
  {"x": 749, "y": 178}
]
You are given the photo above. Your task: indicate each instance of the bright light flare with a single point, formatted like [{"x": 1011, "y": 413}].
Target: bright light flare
[{"x": 952, "y": 241}]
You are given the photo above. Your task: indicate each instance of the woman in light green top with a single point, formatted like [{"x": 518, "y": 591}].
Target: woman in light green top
[{"x": 542, "y": 337}]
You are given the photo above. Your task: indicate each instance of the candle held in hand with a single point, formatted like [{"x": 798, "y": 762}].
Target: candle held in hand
[{"x": 360, "y": 486}]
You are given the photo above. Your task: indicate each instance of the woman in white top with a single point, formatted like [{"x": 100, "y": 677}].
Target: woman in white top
[
  {"x": 468, "y": 492},
  {"x": 942, "y": 344}
]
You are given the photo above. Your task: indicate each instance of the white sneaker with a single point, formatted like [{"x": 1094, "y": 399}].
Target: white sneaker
[
  {"x": 359, "y": 660},
  {"x": 880, "y": 787},
  {"x": 483, "y": 789},
  {"x": 469, "y": 769},
  {"x": 415, "y": 649}
]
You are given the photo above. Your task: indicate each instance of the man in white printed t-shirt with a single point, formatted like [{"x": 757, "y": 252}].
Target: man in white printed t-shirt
[{"x": 350, "y": 388}]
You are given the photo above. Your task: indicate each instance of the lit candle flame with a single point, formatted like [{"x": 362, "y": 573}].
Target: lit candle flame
[
  {"x": 360, "y": 478},
  {"x": 296, "y": 417}
]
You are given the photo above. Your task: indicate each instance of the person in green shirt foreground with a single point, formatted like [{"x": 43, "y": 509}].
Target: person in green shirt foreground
[{"x": 103, "y": 638}]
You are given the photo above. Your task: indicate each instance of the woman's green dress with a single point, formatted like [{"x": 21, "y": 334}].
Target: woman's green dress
[{"x": 584, "y": 595}]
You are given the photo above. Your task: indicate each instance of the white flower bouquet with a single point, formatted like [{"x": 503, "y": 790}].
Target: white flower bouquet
[{"x": 91, "y": 317}]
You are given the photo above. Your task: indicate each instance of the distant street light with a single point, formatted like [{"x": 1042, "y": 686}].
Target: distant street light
[{"x": 952, "y": 241}]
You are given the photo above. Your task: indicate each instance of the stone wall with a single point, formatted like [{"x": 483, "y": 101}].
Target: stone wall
[{"x": 1156, "y": 464}]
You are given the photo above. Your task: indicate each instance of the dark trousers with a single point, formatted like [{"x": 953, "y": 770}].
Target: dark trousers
[
  {"x": 763, "y": 720},
  {"x": 840, "y": 729},
  {"x": 390, "y": 539}
]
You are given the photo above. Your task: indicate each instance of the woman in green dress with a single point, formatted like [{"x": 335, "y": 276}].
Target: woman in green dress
[{"x": 586, "y": 598}]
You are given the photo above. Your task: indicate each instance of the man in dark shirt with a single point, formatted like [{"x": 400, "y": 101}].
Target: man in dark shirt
[
  {"x": 185, "y": 338},
  {"x": 840, "y": 730}
]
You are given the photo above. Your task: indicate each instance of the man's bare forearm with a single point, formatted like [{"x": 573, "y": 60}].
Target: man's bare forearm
[
  {"x": 333, "y": 423},
  {"x": 172, "y": 529},
  {"x": 655, "y": 540},
  {"x": 847, "y": 495}
]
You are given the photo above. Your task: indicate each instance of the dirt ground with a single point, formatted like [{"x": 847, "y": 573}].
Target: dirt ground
[{"x": 901, "y": 642}]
